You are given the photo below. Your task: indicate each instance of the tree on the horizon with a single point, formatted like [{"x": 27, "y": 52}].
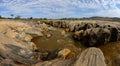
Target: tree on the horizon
[
  {"x": 17, "y": 17},
  {"x": 0, "y": 16},
  {"x": 11, "y": 15},
  {"x": 43, "y": 18},
  {"x": 31, "y": 18}
]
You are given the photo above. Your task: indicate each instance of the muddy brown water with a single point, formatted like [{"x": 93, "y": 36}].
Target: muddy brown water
[
  {"x": 58, "y": 40},
  {"x": 111, "y": 52}
]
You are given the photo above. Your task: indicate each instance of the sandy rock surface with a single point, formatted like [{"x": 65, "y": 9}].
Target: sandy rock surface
[
  {"x": 91, "y": 57},
  {"x": 15, "y": 43}
]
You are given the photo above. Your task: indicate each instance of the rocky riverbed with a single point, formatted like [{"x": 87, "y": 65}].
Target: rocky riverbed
[{"x": 59, "y": 43}]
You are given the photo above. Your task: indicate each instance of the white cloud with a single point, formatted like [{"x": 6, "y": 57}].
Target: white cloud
[
  {"x": 58, "y": 7},
  {"x": 105, "y": 13},
  {"x": 117, "y": 1}
]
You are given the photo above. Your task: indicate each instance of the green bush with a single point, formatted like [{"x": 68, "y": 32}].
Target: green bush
[{"x": 17, "y": 17}]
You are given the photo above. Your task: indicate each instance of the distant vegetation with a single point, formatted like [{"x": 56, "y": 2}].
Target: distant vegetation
[
  {"x": 43, "y": 19},
  {"x": 12, "y": 15},
  {"x": 1, "y": 17},
  {"x": 18, "y": 17},
  {"x": 73, "y": 18},
  {"x": 84, "y": 18},
  {"x": 94, "y": 18},
  {"x": 30, "y": 18}
]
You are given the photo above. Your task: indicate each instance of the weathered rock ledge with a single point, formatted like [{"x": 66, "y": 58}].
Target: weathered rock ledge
[
  {"x": 91, "y": 33},
  {"x": 16, "y": 47},
  {"x": 89, "y": 57}
]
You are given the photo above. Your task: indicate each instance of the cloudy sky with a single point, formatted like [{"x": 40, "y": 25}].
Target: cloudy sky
[{"x": 60, "y": 8}]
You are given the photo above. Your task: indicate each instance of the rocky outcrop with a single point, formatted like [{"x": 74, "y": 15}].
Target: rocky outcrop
[
  {"x": 98, "y": 35},
  {"x": 91, "y": 33},
  {"x": 16, "y": 47},
  {"x": 33, "y": 32},
  {"x": 57, "y": 23},
  {"x": 56, "y": 62},
  {"x": 93, "y": 36},
  {"x": 64, "y": 53},
  {"x": 89, "y": 57}
]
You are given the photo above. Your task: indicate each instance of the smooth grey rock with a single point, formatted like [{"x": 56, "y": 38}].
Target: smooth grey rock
[
  {"x": 91, "y": 57},
  {"x": 33, "y": 32}
]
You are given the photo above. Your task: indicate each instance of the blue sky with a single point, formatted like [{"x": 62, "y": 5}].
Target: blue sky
[{"x": 60, "y": 8}]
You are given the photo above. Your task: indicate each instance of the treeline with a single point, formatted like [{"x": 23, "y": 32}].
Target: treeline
[
  {"x": 19, "y": 17},
  {"x": 73, "y": 18},
  {"x": 84, "y": 18},
  {"x": 1, "y": 17},
  {"x": 106, "y": 18},
  {"x": 94, "y": 18}
]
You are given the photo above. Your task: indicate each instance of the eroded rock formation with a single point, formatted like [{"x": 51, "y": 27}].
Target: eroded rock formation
[
  {"x": 15, "y": 44},
  {"x": 89, "y": 57},
  {"x": 91, "y": 33},
  {"x": 16, "y": 48}
]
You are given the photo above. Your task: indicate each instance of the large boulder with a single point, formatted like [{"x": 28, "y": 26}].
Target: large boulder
[
  {"x": 93, "y": 36},
  {"x": 56, "y": 62},
  {"x": 90, "y": 35},
  {"x": 99, "y": 36},
  {"x": 64, "y": 53},
  {"x": 91, "y": 57},
  {"x": 15, "y": 44},
  {"x": 34, "y": 32},
  {"x": 11, "y": 49}
]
